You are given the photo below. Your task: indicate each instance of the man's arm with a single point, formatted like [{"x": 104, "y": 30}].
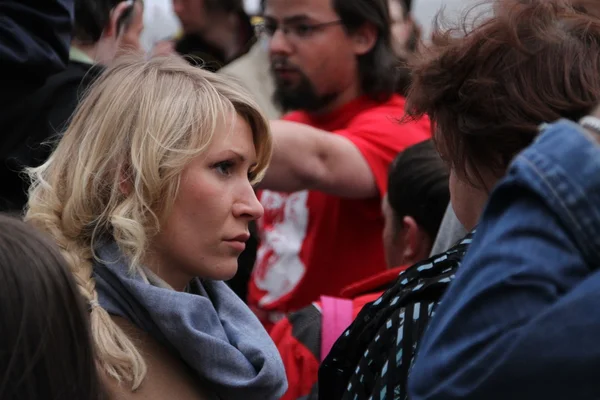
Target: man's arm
[{"x": 306, "y": 158}]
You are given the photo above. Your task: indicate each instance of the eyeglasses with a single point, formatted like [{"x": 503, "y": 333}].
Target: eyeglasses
[{"x": 293, "y": 31}]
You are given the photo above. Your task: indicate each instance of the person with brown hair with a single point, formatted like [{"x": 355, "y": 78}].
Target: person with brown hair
[
  {"x": 486, "y": 92},
  {"x": 46, "y": 351},
  {"x": 520, "y": 321},
  {"x": 336, "y": 71},
  {"x": 489, "y": 90}
]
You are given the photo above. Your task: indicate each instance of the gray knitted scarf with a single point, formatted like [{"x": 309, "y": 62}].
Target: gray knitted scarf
[{"x": 207, "y": 326}]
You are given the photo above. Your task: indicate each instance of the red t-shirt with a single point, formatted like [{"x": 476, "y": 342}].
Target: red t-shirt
[{"x": 313, "y": 243}]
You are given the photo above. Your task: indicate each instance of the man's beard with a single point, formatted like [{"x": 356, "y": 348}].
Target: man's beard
[{"x": 301, "y": 96}]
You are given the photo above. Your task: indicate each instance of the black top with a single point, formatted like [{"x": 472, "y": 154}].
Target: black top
[
  {"x": 34, "y": 44},
  {"x": 41, "y": 117}
]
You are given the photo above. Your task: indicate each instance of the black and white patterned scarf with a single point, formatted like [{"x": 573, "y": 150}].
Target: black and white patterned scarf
[{"x": 373, "y": 357}]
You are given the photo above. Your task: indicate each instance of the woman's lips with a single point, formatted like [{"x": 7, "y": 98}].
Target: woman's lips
[{"x": 236, "y": 244}]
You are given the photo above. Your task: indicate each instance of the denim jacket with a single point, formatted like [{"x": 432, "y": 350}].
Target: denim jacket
[{"x": 522, "y": 318}]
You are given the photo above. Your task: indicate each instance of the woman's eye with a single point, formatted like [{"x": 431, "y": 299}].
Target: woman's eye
[{"x": 224, "y": 167}]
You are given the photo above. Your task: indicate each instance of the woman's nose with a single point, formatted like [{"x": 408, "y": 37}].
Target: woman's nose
[{"x": 248, "y": 207}]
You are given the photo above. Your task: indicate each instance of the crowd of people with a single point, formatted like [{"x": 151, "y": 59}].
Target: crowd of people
[{"x": 314, "y": 202}]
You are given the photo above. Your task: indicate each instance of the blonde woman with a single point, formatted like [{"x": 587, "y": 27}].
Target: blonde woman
[{"x": 149, "y": 195}]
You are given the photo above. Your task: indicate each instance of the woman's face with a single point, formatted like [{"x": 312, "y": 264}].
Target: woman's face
[{"x": 208, "y": 226}]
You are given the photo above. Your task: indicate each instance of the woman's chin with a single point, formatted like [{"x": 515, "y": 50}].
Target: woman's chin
[{"x": 223, "y": 272}]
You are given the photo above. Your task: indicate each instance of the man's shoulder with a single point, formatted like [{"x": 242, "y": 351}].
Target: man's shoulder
[
  {"x": 360, "y": 109},
  {"x": 394, "y": 104},
  {"x": 387, "y": 116},
  {"x": 382, "y": 126}
]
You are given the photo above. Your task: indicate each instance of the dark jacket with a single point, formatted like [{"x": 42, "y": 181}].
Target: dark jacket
[
  {"x": 520, "y": 320},
  {"x": 40, "y": 119},
  {"x": 34, "y": 44}
]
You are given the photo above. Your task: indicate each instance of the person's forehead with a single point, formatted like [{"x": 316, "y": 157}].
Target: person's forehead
[{"x": 311, "y": 9}]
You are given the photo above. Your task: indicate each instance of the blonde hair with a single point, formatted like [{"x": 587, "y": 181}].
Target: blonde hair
[{"x": 141, "y": 123}]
